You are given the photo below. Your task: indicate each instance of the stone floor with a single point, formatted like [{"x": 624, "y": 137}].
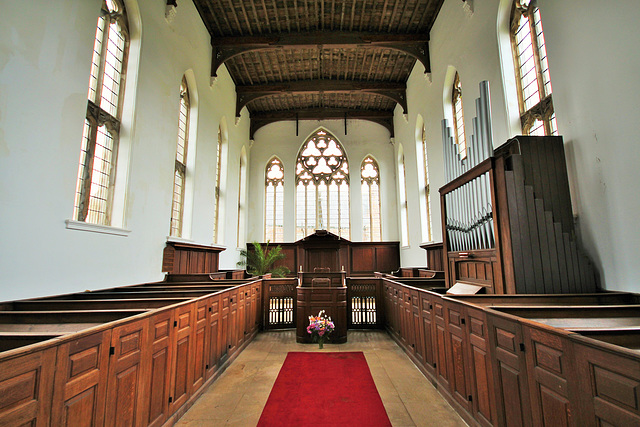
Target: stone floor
[{"x": 239, "y": 395}]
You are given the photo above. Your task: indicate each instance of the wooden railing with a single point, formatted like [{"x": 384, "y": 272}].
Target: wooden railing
[
  {"x": 364, "y": 303},
  {"x": 279, "y": 306}
]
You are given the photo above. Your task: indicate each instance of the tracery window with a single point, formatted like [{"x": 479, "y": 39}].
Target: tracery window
[
  {"x": 370, "y": 179},
  {"x": 274, "y": 201},
  {"x": 458, "y": 117},
  {"x": 216, "y": 191},
  {"x": 99, "y": 148},
  {"x": 322, "y": 186},
  {"x": 427, "y": 195},
  {"x": 180, "y": 173},
  {"x": 532, "y": 70}
]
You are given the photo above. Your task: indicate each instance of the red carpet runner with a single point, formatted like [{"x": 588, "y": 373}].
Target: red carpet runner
[{"x": 324, "y": 389}]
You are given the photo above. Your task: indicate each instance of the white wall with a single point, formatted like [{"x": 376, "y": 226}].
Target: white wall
[
  {"x": 45, "y": 53},
  {"x": 362, "y": 138}
]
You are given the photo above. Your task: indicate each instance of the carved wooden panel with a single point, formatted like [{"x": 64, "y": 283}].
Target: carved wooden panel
[
  {"x": 362, "y": 259},
  {"x": 26, "y": 385},
  {"x": 160, "y": 362},
  {"x": 510, "y": 375},
  {"x": 125, "y": 395},
  {"x": 80, "y": 381}
]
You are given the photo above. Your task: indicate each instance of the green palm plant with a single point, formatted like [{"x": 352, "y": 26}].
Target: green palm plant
[{"x": 259, "y": 261}]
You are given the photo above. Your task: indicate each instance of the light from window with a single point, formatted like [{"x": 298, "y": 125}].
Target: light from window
[
  {"x": 370, "y": 179},
  {"x": 98, "y": 152},
  {"x": 322, "y": 187},
  {"x": 177, "y": 206}
]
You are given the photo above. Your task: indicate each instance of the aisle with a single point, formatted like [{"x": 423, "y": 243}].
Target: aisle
[{"x": 239, "y": 395}]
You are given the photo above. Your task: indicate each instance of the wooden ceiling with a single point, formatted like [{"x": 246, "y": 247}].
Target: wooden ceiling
[{"x": 319, "y": 59}]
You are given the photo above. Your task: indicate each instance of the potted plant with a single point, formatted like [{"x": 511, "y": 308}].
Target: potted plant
[{"x": 260, "y": 261}]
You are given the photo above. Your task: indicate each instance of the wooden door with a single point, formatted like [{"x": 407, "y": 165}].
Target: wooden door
[
  {"x": 26, "y": 386},
  {"x": 609, "y": 382},
  {"x": 127, "y": 373},
  {"x": 232, "y": 337},
  {"x": 429, "y": 345},
  {"x": 241, "y": 322},
  {"x": 510, "y": 376},
  {"x": 223, "y": 331},
  {"x": 80, "y": 385},
  {"x": 481, "y": 380},
  {"x": 416, "y": 326},
  {"x": 456, "y": 341},
  {"x": 182, "y": 369},
  {"x": 549, "y": 366},
  {"x": 158, "y": 386},
  {"x": 200, "y": 343},
  {"x": 408, "y": 332},
  {"x": 213, "y": 340},
  {"x": 440, "y": 337}
]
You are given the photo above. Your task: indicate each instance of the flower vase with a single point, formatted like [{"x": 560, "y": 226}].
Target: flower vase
[{"x": 320, "y": 343}]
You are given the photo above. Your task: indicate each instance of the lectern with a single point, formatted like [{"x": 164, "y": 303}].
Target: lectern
[{"x": 322, "y": 290}]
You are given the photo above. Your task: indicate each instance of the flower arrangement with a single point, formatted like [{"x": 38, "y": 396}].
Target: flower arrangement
[{"x": 320, "y": 327}]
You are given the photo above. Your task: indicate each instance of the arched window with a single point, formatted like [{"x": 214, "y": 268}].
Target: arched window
[
  {"x": 217, "y": 194},
  {"x": 532, "y": 70},
  {"x": 322, "y": 186},
  {"x": 180, "y": 172},
  {"x": 274, "y": 201},
  {"x": 458, "y": 117},
  {"x": 427, "y": 196},
  {"x": 402, "y": 194},
  {"x": 99, "y": 148},
  {"x": 370, "y": 179}
]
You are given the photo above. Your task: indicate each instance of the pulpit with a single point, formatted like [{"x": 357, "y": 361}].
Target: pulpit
[{"x": 322, "y": 290}]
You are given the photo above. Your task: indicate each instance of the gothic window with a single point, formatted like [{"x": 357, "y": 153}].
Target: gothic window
[
  {"x": 180, "y": 173},
  {"x": 99, "y": 148},
  {"x": 322, "y": 186},
  {"x": 458, "y": 117},
  {"x": 274, "y": 201},
  {"x": 532, "y": 70},
  {"x": 370, "y": 179}
]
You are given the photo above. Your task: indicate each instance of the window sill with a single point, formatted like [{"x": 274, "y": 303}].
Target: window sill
[{"x": 95, "y": 228}]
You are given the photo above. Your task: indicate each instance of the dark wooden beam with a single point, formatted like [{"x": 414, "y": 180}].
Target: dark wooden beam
[
  {"x": 381, "y": 117},
  {"x": 225, "y": 48},
  {"x": 396, "y": 91}
]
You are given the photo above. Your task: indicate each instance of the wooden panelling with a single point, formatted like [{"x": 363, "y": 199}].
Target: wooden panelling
[
  {"x": 185, "y": 258},
  {"x": 80, "y": 381},
  {"x": 26, "y": 386},
  {"x": 456, "y": 342},
  {"x": 481, "y": 378},
  {"x": 182, "y": 369}
]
